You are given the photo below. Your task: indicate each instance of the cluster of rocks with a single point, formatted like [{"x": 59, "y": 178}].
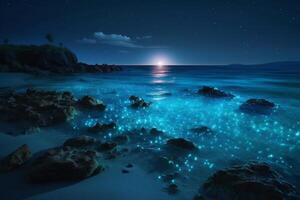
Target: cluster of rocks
[
  {"x": 137, "y": 102},
  {"x": 251, "y": 106},
  {"x": 247, "y": 182},
  {"x": 45, "y": 58},
  {"x": 43, "y": 108},
  {"x": 214, "y": 93},
  {"x": 78, "y": 158}
]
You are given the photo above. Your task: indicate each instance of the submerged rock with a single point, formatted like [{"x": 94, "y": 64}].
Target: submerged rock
[
  {"x": 214, "y": 92},
  {"x": 107, "y": 146},
  {"x": 80, "y": 141},
  {"x": 181, "y": 143},
  {"x": 91, "y": 103},
  {"x": 41, "y": 108},
  {"x": 248, "y": 182},
  {"x": 121, "y": 139},
  {"x": 257, "y": 106},
  {"x": 64, "y": 164},
  {"x": 98, "y": 128},
  {"x": 202, "y": 130},
  {"x": 155, "y": 132},
  {"x": 172, "y": 188},
  {"x": 137, "y": 102},
  {"x": 15, "y": 159}
]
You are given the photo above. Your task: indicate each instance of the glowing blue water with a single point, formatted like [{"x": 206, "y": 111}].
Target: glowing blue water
[{"x": 176, "y": 109}]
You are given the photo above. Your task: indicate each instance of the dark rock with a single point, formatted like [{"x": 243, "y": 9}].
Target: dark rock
[
  {"x": 202, "y": 130},
  {"x": 121, "y": 139},
  {"x": 248, "y": 182},
  {"x": 137, "y": 102},
  {"x": 129, "y": 165},
  {"x": 214, "y": 92},
  {"x": 64, "y": 164},
  {"x": 107, "y": 146},
  {"x": 91, "y": 103},
  {"x": 15, "y": 159},
  {"x": 156, "y": 132},
  {"x": 169, "y": 177},
  {"x": 80, "y": 141},
  {"x": 181, "y": 143},
  {"x": 172, "y": 188},
  {"x": 40, "y": 108},
  {"x": 257, "y": 106},
  {"x": 98, "y": 128},
  {"x": 125, "y": 171}
]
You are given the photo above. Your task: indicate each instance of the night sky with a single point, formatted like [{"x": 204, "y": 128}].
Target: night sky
[{"x": 147, "y": 31}]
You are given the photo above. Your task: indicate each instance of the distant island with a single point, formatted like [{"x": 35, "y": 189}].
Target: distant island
[{"x": 46, "y": 59}]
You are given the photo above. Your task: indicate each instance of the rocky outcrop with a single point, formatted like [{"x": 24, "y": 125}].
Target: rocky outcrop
[
  {"x": 181, "y": 144},
  {"x": 15, "y": 159},
  {"x": 80, "y": 141},
  {"x": 137, "y": 102},
  {"x": 248, "y": 182},
  {"x": 98, "y": 128},
  {"x": 64, "y": 164},
  {"x": 91, "y": 103},
  {"x": 214, "y": 93},
  {"x": 41, "y": 108},
  {"x": 257, "y": 106},
  {"x": 45, "y": 58}
]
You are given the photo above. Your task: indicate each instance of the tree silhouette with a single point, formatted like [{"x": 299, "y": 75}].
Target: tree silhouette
[{"x": 49, "y": 37}]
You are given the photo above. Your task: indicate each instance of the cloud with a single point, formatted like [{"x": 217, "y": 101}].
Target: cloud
[
  {"x": 88, "y": 41},
  {"x": 118, "y": 40},
  {"x": 146, "y": 37}
]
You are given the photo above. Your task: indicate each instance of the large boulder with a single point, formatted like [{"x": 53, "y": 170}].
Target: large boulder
[
  {"x": 214, "y": 92},
  {"x": 41, "y": 108},
  {"x": 248, "y": 182},
  {"x": 91, "y": 103},
  {"x": 181, "y": 143},
  {"x": 257, "y": 106},
  {"x": 15, "y": 159},
  {"x": 64, "y": 164}
]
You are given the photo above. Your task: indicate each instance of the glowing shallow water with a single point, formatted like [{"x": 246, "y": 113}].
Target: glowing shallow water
[{"x": 176, "y": 108}]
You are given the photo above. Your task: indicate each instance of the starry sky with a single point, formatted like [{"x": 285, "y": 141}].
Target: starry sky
[{"x": 148, "y": 31}]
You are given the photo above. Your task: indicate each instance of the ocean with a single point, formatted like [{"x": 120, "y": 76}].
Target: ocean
[{"x": 175, "y": 109}]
